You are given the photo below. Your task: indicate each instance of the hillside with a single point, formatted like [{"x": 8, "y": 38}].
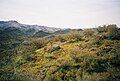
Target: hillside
[
  {"x": 13, "y": 33},
  {"x": 73, "y": 55}
]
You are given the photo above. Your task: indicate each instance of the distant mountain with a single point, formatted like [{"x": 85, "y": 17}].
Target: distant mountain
[
  {"x": 26, "y": 29},
  {"x": 13, "y": 33},
  {"x": 13, "y": 28}
]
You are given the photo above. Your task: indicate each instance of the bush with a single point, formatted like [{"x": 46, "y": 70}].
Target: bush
[
  {"x": 97, "y": 41},
  {"x": 88, "y": 32},
  {"x": 59, "y": 38},
  {"x": 72, "y": 40},
  {"x": 52, "y": 48},
  {"x": 39, "y": 43},
  {"x": 113, "y": 32},
  {"x": 101, "y": 29}
]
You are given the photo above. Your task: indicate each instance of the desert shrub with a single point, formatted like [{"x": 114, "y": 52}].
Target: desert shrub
[
  {"x": 8, "y": 75},
  {"x": 52, "y": 48},
  {"x": 114, "y": 74},
  {"x": 75, "y": 52},
  {"x": 91, "y": 64},
  {"x": 88, "y": 32},
  {"x": 102, "y": 29},
  {"x": 72, "y": 41},
  {"x": 39, "y": 43},
  {"x": 59, "y": 38},
  {"x": 97, "y": 41},
  {"x": 113, "y": 32},
  {"x": 115, "y": 61},
  {"x": 97, "y": 65},
  {"x": 49, "y": 56},
  {"x": 108, "y": 47},
  {"x": 20, "y": 62},
  {"x": 111, "y": 53},
  {"x": 31, "y": 58},
  {"x": 73, "y": 35}
]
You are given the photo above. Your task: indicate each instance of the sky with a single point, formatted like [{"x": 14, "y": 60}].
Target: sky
[{"x": 62, "y": 13}]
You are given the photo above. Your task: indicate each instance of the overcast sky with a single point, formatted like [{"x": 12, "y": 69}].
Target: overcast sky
[{"x": 62, "y": 13}]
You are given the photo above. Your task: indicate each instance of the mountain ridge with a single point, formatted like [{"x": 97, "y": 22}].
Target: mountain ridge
[{"x": 26, "y": 27}]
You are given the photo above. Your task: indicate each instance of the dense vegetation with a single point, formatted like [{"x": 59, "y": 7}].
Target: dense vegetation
[{"x": 88, "y": 55}]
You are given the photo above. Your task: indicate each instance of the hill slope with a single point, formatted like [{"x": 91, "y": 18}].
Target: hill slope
[{"x": 89, "y": 55}]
